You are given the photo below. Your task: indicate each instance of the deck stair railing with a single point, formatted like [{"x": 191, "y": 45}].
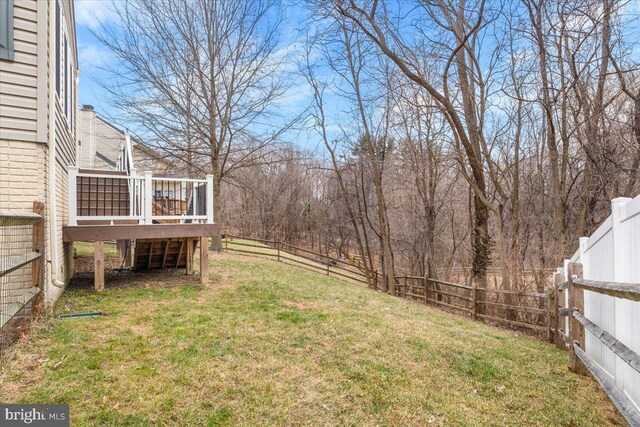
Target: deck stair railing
[
  {"x": 98, "y": 197},
  {"x": 125, "y": 158}
]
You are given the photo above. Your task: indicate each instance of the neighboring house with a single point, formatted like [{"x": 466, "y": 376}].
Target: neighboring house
[
  {"x": 101, "y": 145},
  {"x": 38, "y": 124}
]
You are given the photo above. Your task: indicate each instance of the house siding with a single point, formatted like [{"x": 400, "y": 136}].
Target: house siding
[
  {"x": 24, "y": 127},
  {"x": 19, "y": 78},
  {"x": 66, "y": 147}
]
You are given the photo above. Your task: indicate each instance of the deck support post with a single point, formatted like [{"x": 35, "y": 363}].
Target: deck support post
[
  {"x": 204, "y": 260},
  {"x": 98, "y": 264},
  {"x": 124, "y": 252},
  {"x": 190, "y": 250}
]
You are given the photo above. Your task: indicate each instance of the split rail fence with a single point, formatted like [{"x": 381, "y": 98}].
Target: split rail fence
[{"x": 531, "y": 311}]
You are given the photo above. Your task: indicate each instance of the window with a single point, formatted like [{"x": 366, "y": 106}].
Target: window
[
  {"x": 64, "y": 67},
  {"x": 6, "y": 29},
  {"x": 58, "y": 44},
  {"x": 65, "y": 73}
]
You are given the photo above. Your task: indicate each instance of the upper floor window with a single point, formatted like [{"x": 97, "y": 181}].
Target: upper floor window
[
  {"x": 6, "y": 29},
  {"x": 65, "y": 84}
]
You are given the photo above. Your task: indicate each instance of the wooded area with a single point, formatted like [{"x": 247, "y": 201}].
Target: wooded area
[{"x": 465, "y": 141}]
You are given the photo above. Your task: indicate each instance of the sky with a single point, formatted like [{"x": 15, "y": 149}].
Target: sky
[{"x": 91, "y": 14}]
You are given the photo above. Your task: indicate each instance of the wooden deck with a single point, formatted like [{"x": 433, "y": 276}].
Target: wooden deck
[
  {"x": 192, "y": 234},
  {"x": 167, "y": 217},
  {"x": 102, "y": 232}
]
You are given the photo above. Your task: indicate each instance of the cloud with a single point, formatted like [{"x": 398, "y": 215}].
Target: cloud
[
  {"x": 92, "y": 55},
  {"x": 93, "y": 13}
]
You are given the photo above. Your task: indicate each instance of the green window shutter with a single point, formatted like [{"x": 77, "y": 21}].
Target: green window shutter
[{"x": 6, "y": 29}]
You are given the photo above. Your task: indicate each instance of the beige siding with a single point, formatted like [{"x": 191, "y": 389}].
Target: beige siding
[
  {"x": 24, "y": 126},
  {"x": 65, "y": 157},
  {"x": 22, "y": 158},
  {"x": 146, "y": 160},
  {"x": 19, "y": 78}
]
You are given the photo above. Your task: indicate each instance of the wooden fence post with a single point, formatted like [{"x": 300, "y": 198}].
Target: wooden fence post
[
  {"x": 576, "y": 330},
  {"x": 551, "y": 308},
  {"x": 558, "y": 303},
  {"x": 404, "y": 287},
  {"x": 37, "y": 266},
  {"x": 427, "y": 289},
  {"x": 474, "y": 299},
  {"x": 278, "y": 249}
]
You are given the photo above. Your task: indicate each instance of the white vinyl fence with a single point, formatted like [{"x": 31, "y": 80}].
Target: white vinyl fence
[{"x": 612, "y": 254}]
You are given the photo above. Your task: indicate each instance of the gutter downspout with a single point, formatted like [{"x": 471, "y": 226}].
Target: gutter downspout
[{"x": 53, "y": 210}]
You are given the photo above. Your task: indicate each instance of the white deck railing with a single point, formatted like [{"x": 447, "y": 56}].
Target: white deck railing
[{"x": 100, "y": 196}]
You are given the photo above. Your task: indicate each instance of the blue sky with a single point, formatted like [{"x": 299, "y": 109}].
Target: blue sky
[
  {"x": 92, "y": 55},
  {"x": 91, "y": 14}
]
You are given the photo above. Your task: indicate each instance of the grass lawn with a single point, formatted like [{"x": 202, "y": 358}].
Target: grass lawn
[
  {"x": 268, "y": 344},
  {"x": 86, "y": 249},
  {"x": 341, "y": 270}
]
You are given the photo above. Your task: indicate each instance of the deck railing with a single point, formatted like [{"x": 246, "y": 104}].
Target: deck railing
[{"x": 111, "y": 196}]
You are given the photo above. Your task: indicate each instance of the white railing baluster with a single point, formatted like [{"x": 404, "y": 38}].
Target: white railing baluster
[
  {"x": 148, "y": 197},
  {"x": 73, "y": 195},
  {"x": 209, "y": 199},
  {"x": 132, "y": 191},
  {"x": 140, "y": 205},
  {"x": 194, "y": 188}
]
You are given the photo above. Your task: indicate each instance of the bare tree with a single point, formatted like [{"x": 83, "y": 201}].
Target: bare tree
[{"x": 201, "y": 79}]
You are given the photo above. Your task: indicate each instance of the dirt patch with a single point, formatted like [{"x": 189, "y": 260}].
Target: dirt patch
[
  {"x": 141, "y": 329},
  {"x": 116, "y": 277},
  {"x": 84, "y": 264}
]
